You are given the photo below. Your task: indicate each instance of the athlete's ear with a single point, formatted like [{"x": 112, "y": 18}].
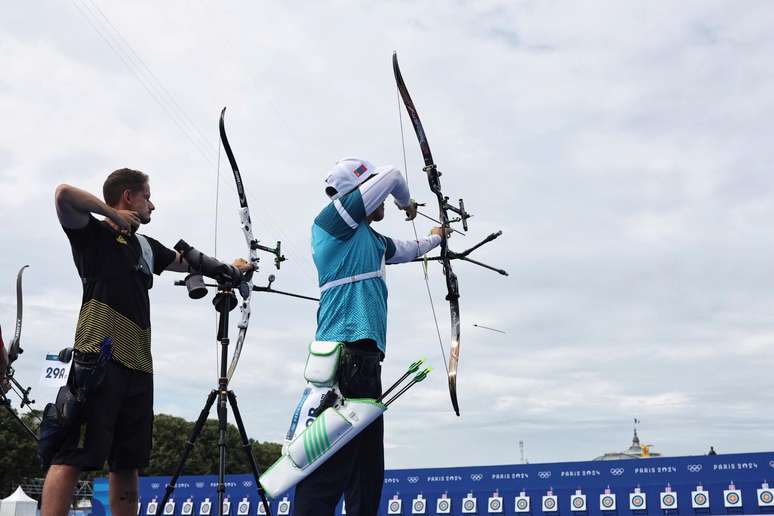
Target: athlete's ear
[{"x": 126, "y": 197}]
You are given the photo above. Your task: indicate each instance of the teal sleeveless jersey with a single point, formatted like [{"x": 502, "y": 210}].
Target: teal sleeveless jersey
[{"x": 350, "y": 258}]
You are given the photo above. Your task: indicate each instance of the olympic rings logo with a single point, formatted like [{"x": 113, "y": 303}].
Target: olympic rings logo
[
  {"x": 413, "y": 480},
  {"x": 694, "y": 468},
  {"x": 544, "y": 474},
  {"x": 476, "y": 477},
  {"x": 616, "y": 472}
]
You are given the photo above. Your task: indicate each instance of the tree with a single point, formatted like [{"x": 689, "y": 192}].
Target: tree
[
  {"x": 171, "y": 433},
  {"x": 18, "y": 460}
]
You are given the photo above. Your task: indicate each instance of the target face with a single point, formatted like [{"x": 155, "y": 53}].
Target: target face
[
  {"x": 700, "y": 499},
  {"x": 443, "y": 505},
  {"x": 495, "y": 504},
  {"x": 284, "y": 507},
  {"x": 578, "y": 502},
  {"x": 549, "y": 503},
  {"x": 669, "y": 500},
  {"x": 469, "y": 505},
  {"x": 152, "y": 508},
  {"x": 732, "y": 498},
  {"x": 419, "y": 506},
  {"x": 169, "y": 508},
  {"x": 522, "y": 504},
  {"x": 638, "y": 501},
  {"x": 187, "y": 508},
  {"x": 767, "y": 497},
  {"x": 607, "y": 502},
  {"x": 394, "y": 506}
]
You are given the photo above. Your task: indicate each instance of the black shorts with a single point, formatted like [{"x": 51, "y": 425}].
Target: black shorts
[{"x": 117, "y": 425}]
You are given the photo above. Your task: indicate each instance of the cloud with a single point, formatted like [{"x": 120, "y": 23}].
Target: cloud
[{"x": 623, "y": 150}]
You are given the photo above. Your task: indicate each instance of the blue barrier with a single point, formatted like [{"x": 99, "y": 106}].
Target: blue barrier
[{"x": 718, "y": 484}]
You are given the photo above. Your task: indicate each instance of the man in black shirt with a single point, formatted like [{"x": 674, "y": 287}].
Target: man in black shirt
[{"x": 116, "y": 266}]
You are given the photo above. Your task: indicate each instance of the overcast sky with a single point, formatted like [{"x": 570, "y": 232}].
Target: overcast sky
[{"x": 623, "y": 148}]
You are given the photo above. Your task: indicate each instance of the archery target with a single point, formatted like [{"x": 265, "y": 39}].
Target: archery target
[
  {"x": 668, "y": 500},
  {"x": 495, "y": 505},
  {"x": 284, "y": 507},
  {"x": 443, "y": 506},
  {"x": 468, "y": 505},
  {"x": 418, "y": 506},
  {"x": 578, "y": 502},
  {"x": 550, "y": 503},
  {"x": 637, "y": 501},
  {"x": 169, "y": 508},
  {"x": 152, "y": 508},
  {"x": 607, "y": 502},
  {"x": 187, "y": 509},
  {"x": 699, "y": 499},
  {"x": 732, "y": 498},
  {"x": 765, "y": 497},
  {"x": 205, "y": 507},
  {"x": 243, "y": 509},
  {"x": 394, "y": 506},
  {"x": 521, "y": 504}
]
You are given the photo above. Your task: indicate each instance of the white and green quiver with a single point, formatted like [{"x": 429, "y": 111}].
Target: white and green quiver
[{"x": 331, "y": 430}]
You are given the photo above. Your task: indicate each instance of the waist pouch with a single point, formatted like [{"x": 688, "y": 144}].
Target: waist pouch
[
  {"x": 360, "y": 372},
  {"x": 87, "y": 375}
]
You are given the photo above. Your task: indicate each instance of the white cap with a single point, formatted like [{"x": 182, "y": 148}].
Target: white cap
[{"x": 348, "y": 174}]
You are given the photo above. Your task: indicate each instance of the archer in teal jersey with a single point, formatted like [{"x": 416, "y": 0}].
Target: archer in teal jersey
[{"x": 350, "y": 257}]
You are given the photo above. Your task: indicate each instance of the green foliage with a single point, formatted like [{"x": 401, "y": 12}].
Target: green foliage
[
  {"x": 18, "y": 461},
  {"x": 170, "y": 434}
]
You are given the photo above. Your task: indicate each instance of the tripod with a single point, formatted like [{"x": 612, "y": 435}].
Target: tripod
[{"x": 225, "y": 301}]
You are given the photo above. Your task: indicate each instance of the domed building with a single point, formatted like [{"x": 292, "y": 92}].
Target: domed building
[{"x": 635, "y": 451}]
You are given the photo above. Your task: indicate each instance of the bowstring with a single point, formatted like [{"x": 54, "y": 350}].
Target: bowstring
[{"x": 416, "y": 237}]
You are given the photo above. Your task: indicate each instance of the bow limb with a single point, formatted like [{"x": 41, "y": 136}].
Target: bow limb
[
  {"x": 252, "y": 245},
  {"x": 7, "y": 380},
  {"x": 434, "y": 181},
  {"x": 14, "y": 348}
]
